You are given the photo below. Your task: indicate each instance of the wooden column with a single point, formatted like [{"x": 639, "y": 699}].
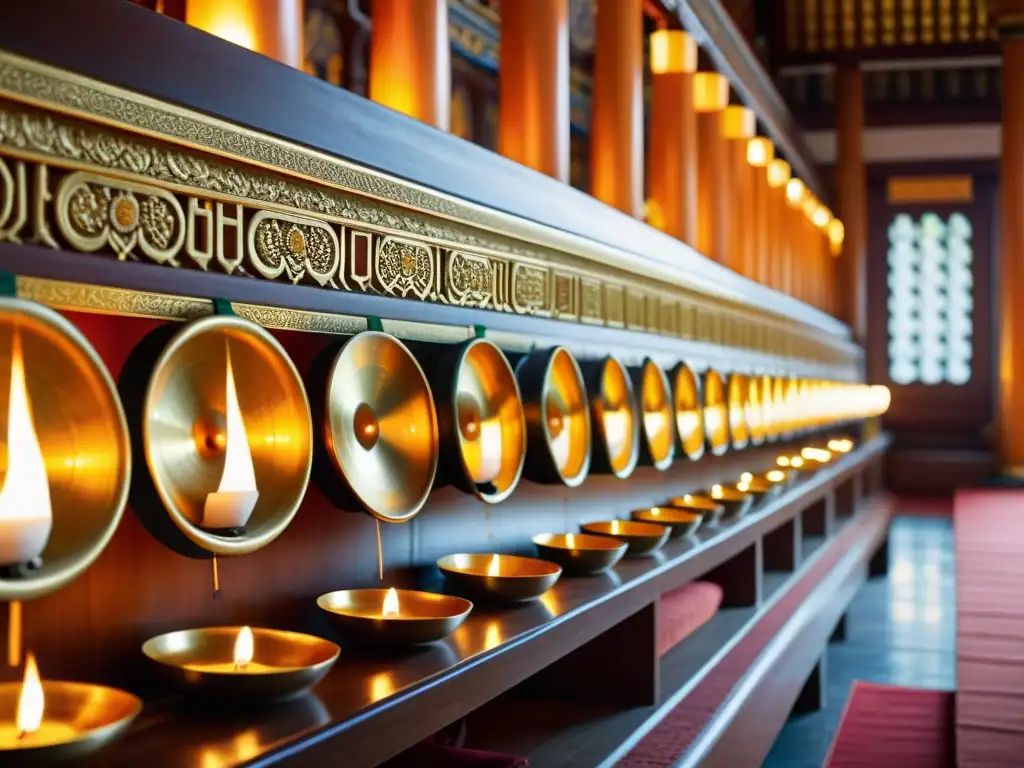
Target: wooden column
[
  {"x": 710, "y": 97},
  {"x": 760, "y": 152},
  {"x": 739, "y": 125},
  {"x": 795, "y": 191},
  {"x": 852, "y": 199},
  {"x": 812, "y": 253},
  {"x": 672, "y": 155},
  {"x": 779, "y": 174},
  {"x": 270, "y": 27},
  {"x": 410, "y": 59},
  {"x": 617, "y": 122},
  {"x": 534, "y": 92},
  {"x": 1011, "y": 248}
]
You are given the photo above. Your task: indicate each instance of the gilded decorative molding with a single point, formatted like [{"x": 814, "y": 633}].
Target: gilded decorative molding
[{"x": 74, "y": 184}]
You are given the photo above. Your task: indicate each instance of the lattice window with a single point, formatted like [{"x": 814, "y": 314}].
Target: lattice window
[{"x": 930, "y": 299}]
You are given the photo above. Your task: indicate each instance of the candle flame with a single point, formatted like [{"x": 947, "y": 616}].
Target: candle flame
[
  {"x": 816, "y": 454},
  {"x": 239, "y": 475},
  {"x": 796, "y": 462},
  {"x": 783, "y": 461},
  {"x": 390, "y": 603},
  {"x": 26, "y": 491},
  {"x": 494, "y": 569},
  {"x": 615, "y": 527},
  {"x": 655, "y": 512},
  {"x": 776, "y": 476},
  {"x": 746, "y": 477},
  {"x": 743, "y": 487},
  {"x": 716, "y": 492},
  {"x": 687, "y": 498},
  {"x": 243, "y": 648},
  {"x": 30, "y": 700},
  {"x": 570, "y": 541}
]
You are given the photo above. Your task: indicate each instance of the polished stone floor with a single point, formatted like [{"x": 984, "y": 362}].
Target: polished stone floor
[{"x": 900, "y": 630}]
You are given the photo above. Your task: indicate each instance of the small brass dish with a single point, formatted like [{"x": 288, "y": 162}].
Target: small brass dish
[
  {"x": 658, "y": 429},
  {"x": 185, "y": 426},
  {"x": 480, "y": 417},
  {"x": 81, "y": 443},
  {"x": 580, "y": 554},
  {"x": 688, "y": 404},
  {"x": 642, "y": 538},
  {"x": 79, "y": 721},
  {"x": 736, "y": 502},
  {"x": 615, "y": 417},
  {"x": 201, "y": 663},
  {"x": 761, "y": 489},
  {"x": 738, "y": 400},
  {"x": 378, "y": 426},
  {"x": 712, "y": 511},
  {"x": 680, "y": 522},
  {"x": 557, "y": 417},
  {"x": 422, "y": 617},
  {"x": 716, "y": 415},
  {"x": 502, "y": 578}
]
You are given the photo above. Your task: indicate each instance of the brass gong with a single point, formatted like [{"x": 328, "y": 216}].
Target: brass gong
[
  {"x": 687, "y": 403},
  {"x": 768, "y": 408},
  {"x": 615, "y": 415},
  {"x": 380, "y": 428},
  {"x": 755, "y": 410},
  {"x": 737, "y": 398},
  {"x": 716, "y": 416},
  {"x": 557, "y": 417},
  {"x": 187, "y": 420},
  {"x": 658, "y": 430},
  {"x": 68, "y": 433},
  {"x": 481, "y": 419}
]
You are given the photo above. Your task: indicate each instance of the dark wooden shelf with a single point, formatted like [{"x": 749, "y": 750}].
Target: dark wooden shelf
[{"x": 373, "y": 708}]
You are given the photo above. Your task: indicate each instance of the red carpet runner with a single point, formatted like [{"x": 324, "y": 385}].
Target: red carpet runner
[
  {"x": 682, "y": 611},
  {"x": 889, "y": 727}
]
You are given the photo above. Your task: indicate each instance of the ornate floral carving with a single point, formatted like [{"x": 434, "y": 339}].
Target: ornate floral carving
[
  {"x": 470, "y": 280},
  {"x": 404, "y": 267},
  {"x": 531, "y": 291},
  {"x": 299, "y": 247}
]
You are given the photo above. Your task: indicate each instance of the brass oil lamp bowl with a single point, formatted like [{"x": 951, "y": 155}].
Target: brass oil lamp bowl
[
  {"x": 557, "y": 417},
  {"x": 736, "y": 502},
  {"x": 680, "y": 522},
  {"x": 657, "y": 420},
  {"x": 44, "y": 722},
  {"x": 840, "y": 445},
  {"x": 641, "y": 538},
  {"x": 376, "y": 419},
  {"x": 480, "y": 417},
  {"x": 64, "y": 449},
  {"x": 710, "y": 510},
  {"x": 738, "y": 401},
  {"x": 760, "y": 488},
  {"x": 716, "y": 415},
  {"x": 615, "y": 417},
  {"x": 580, "y": 554},
  {"x": 815, "y": 458},
  {"x": 394, "y": 618},
  {"x": 499, "y": 578},
  {"x": 688, "y": 405},
  {"x": 242, "y": 664},
  {"x": 227, "y": 436}
]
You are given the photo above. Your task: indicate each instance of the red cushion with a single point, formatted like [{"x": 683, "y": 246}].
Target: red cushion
[
  {"x": 885, "y": 726},
  {"x": 683, "y": 610}
]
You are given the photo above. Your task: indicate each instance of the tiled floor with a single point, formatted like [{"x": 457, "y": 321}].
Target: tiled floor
[{"x": 900, "y": 630}]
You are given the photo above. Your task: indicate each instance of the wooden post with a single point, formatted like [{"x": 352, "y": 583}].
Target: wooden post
[
  {"x": 795, "y": 192},
  {"x": 1011, "y": 248},
  {"x": 851, "y": 187},
  {"x": 710, "y": 97},
  {"x": 760, "y": 152},
  {"x": 534, "y": 92},
  {"x": 271, "y": 28},
  {"x": 672, "y": 156},
  {"x": 410, "y": 59},
  {"x": 739, "y": 125},
  {"x": 617, "y": 121}
]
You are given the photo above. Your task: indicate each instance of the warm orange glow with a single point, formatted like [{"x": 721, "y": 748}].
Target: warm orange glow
[
  {"x": 810, "y": 205},
  {"x": 494, "y": 569},
  {"x": 30, "y": 700},
  {"x": 687, "y": 498},
  {"x": 821, "y": 217},
  {"x": 782, "y": 461},
  {"x": 819, "y": 455},
  {"x": 570, "y": 541},
  {"x": 615, "y": 527},
  {"x": 716, "y": 492},
  {"x": 746, "y": 477},
  {"x": 244, "y": 648},
  {"x": 391, "y": 607},
  {"x": 760, "y": 151},
  {"x": 710, "y": 92},
  {"x": 795, "y": 191},
  {"x": 616, "y": 430},
  {"x": 776, "y": 476},
  {"x": 796, "y": 462},
  {"x": 739, "y": 123},
  {"x": 492, "y": 635},
  {"x": 743, "y": 487},
  {"x": 779, "y": 173},
  {"x": 382, "y": 685},
  {"x": 836, "y": 235},
  {"x": 26, "y": 516},
  {"x": 233, "y": 22},
  {"x": 672, "y": 51}
]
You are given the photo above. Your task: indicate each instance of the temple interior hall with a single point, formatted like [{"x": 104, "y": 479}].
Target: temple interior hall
[{"x": 512, "y": 383}]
